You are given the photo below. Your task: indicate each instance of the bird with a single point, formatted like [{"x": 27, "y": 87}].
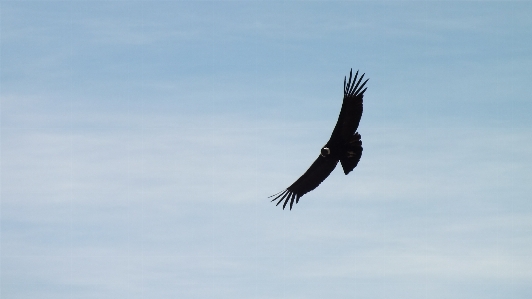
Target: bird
[{"x": 344, "y": 146}]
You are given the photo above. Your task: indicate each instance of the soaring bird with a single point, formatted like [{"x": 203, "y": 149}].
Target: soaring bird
[{"x": 345, "y": 145}]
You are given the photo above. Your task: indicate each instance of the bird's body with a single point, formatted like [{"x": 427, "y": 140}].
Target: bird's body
[{"x": 344, "y": 146}]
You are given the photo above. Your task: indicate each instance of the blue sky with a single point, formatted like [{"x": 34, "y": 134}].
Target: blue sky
[{"x": 140, "y": 140}]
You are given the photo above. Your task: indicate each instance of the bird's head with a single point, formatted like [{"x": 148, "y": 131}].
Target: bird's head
[{"x": 325, "y": 152}]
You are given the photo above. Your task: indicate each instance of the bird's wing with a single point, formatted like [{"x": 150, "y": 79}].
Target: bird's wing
[
  {"x": 312, "y": 178},
  {"x": 351, "y": 111}
]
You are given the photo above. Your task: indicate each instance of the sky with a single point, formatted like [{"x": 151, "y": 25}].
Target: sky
[{"x": 141, "y": 139}]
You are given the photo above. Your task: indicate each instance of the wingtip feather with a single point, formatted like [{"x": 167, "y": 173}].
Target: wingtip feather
[
  {"x": 349, "y": 82},
  {"x": 277, "y": 195},
  {"x": 285, "y": 195},
  {"x": 292, "y": 200},
  {"x": 355, "y": 86},
  {"x": 357, "y": 91},
  {"x": 352, "y": 86}
]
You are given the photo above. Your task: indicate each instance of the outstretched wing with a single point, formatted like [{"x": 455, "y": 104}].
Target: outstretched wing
[
  {"x": 312, "y": 178},
  {"x": 351, "y": 111}
]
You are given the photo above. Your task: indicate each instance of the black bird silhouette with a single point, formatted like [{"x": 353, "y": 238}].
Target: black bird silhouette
[{"x": 345, "y": 145}]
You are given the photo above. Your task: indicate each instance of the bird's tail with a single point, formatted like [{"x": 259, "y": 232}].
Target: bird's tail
[{"x": 352, "y": 154}]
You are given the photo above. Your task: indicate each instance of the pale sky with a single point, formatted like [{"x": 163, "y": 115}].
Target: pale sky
[{"x": 141, "y": 139}]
